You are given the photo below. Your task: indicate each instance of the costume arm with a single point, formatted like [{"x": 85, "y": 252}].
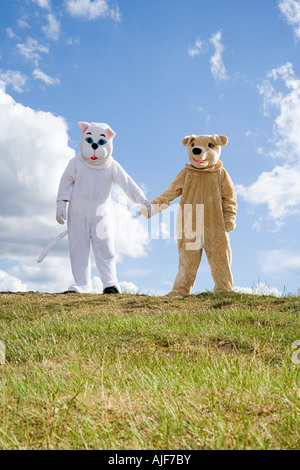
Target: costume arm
[
  {"x": 174, "y": 190},
  {"x": 229, "y": 203},
  {"x": 65, "y": 192},
  {"x": 131, "y": 189},
  {"x": 66, "y": 183}
]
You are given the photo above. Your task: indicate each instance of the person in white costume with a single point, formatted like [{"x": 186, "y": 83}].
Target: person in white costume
[{"x": 86, "y": 185}]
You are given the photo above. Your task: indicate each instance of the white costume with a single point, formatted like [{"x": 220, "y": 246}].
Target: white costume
[{"x": 86, "y": 185}]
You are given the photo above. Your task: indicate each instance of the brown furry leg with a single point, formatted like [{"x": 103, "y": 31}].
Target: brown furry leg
[
  {"x": 189, "y": 261},
  {"x": 219, "y": 259}
]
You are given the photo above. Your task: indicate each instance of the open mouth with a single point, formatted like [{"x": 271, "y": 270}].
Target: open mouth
[
  {"x": 199, "y": 162},
  {"x": 94, "y": 158}
]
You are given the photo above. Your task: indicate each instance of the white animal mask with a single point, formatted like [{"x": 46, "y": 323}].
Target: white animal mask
[{"x": 96, "y": 141}]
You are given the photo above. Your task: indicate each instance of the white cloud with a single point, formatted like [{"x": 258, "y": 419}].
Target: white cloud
[
  {"x": 32, "y": 49},
  {"x": 278, "y": 262},
  {"x": 260, "y": 289},
  {"x": 197, "y": 49},
  {"x": 115, "y": 14},
  {"x": 73, "y": 41},
  {"x": 14, "y": 78},
  {"x": 23, "y": 24},
  {"x": 30, "y": 169},
  {"x": 217, "y": 65},
  {"x": 280, "y": 188},
  {"x": 39, "y": 75},
  {"x": 129, "y": 287},
  {"x": 97, "y": 285},
  {"x": 92, "y": 10},
  {"x": 43, "y": 3},
  {"x": 131, "y": 233},
  {"x": 52, "y": 29},
  {"x": 10, "y": 33},
  {"x": 286, "y": 125},
  {"x": 9, "y": 283},
  {"x": 126, "y": 287},
  {"x": 46, "y": 278},
  {"x": 34, "y": 153},
  {"x": 291, "y": 11},
  {"x": 218, "y": 68}
]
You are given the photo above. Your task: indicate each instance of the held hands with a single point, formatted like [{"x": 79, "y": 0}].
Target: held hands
[
  {"x": 146, "y": 209},
  {"x": 61, "y": 212}
]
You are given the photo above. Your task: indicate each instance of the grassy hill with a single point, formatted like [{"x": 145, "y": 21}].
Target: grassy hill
[{"x": 208, "y": 371}]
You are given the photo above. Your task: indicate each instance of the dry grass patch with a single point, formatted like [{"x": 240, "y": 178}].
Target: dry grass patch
[{"x": 211, "y": 371}]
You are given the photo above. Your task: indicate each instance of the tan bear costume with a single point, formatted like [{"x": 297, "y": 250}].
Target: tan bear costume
[{"x": 203, "y": 182}]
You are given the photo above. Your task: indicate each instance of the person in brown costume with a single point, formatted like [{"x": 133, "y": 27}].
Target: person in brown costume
[{"x": 204, "y": 183}]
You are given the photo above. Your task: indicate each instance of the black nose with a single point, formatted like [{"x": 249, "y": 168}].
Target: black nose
[
  {"x": 196, "y": 151},
  {"x": 94, "y": 146}
]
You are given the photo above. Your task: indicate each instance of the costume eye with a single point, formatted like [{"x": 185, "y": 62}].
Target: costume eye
[
  {"x": 211, "y": 146},
  {"x": 192, "y": 145},
  {"x": 89, "y": 140},
  {"x": 102, "y": 142}
]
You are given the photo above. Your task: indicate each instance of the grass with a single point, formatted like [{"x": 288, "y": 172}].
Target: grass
[{"x": 208, "y": 371}]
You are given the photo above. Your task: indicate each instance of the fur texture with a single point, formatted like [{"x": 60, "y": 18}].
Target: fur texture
[
  {"x": 86, "y": 185},
  {"x": 203, "y": 181}
]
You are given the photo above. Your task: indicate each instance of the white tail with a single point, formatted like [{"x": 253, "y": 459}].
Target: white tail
[{"x": 50, "y": 245}]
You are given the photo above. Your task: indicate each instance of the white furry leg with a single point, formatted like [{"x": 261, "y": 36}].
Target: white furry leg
[
  {"x": 79, "y": 245},
  {"x": 104, "y": 254}
]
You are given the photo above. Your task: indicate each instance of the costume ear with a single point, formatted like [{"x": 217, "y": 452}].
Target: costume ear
[
  {"x": 83, "y": 126},
  {"x": 220, "y": 139},
  {"x": 188, "y": 140},
  {"x": 110, "y": 132}
]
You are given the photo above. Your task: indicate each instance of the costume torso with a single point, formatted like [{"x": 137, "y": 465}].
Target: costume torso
[
  {"x": 88, "y": 187},
  {"x": 211, "y": 187}
]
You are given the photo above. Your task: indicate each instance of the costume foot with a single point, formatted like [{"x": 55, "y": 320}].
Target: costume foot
[
  {"x": 79, "y": 289},
  {"x": 175, "y": 293},
  {"x": 111, "y": 290}
]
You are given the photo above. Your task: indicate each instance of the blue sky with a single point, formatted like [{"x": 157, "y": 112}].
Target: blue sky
[{"x": 156, "y": 71}]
